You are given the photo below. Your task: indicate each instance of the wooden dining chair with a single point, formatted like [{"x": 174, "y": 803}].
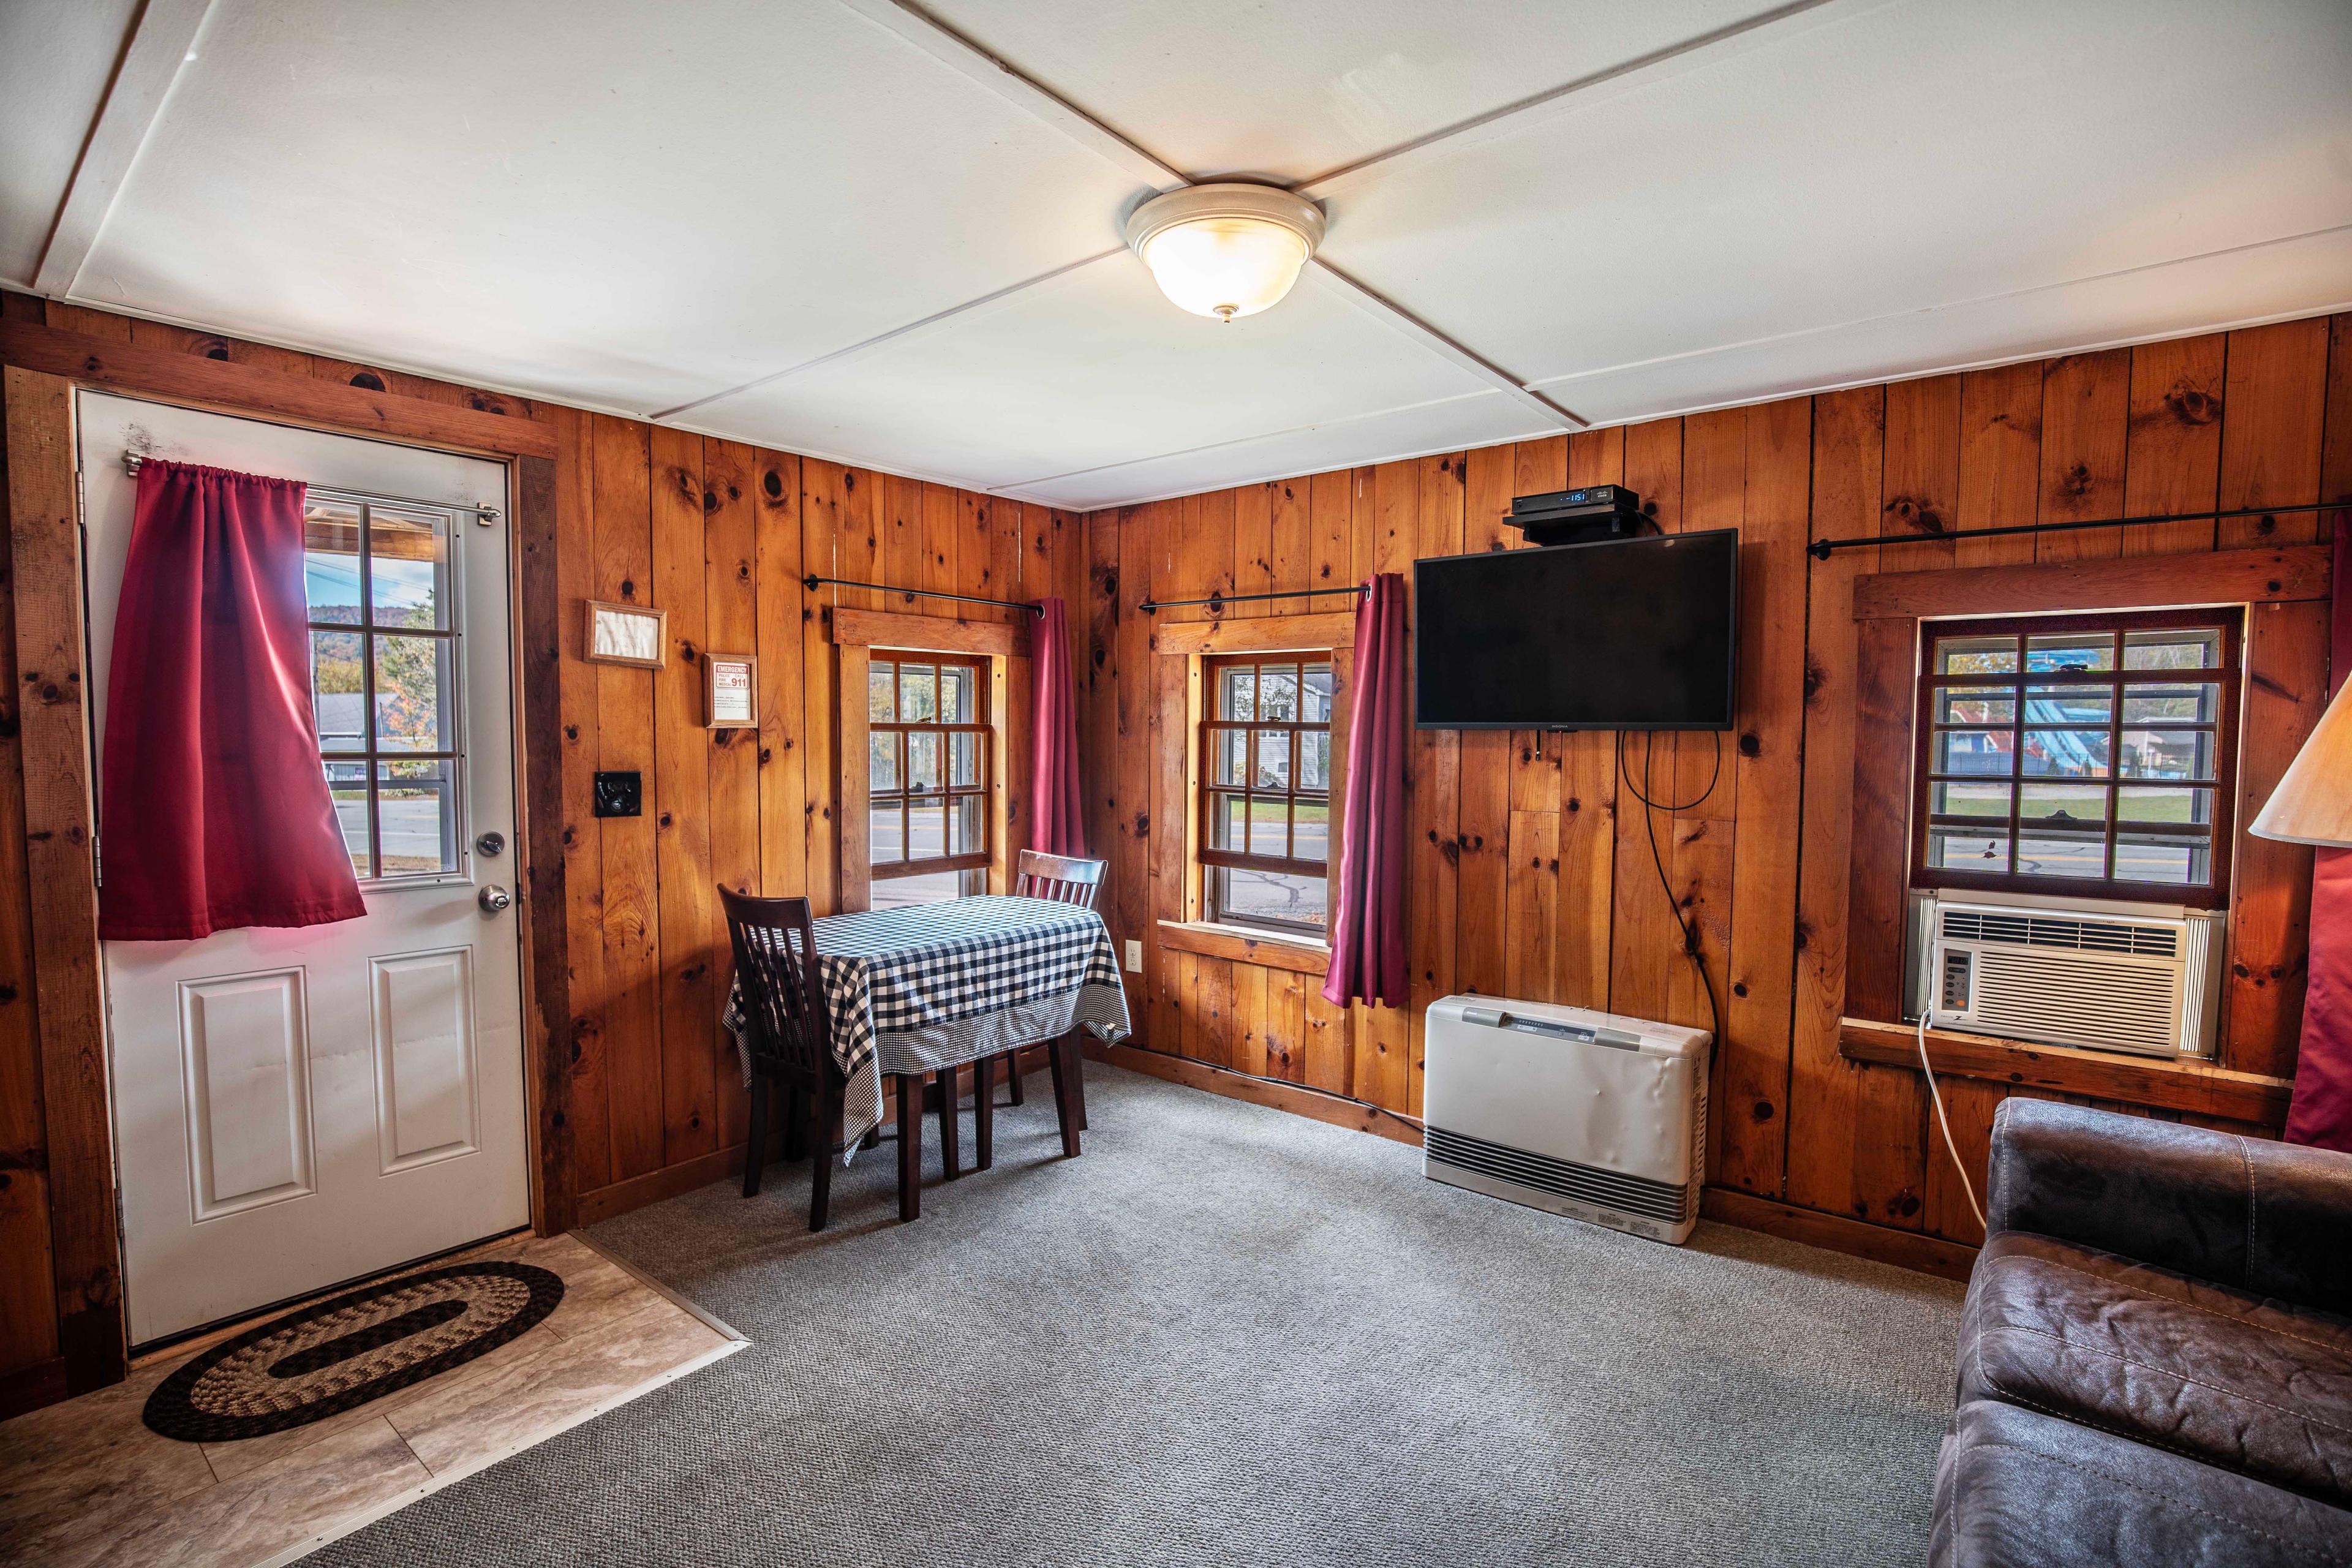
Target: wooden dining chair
[
  {"x": 790, "y": 1032},
  {"x": 1060, "y": 879}
]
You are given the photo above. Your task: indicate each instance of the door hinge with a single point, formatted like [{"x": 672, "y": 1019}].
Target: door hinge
[{"x": 97, "y": 864}]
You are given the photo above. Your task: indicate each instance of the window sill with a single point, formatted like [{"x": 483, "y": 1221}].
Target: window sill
[
  {"x": 2167, "y": 1083},
  {"x": 1300, "y": 955}
]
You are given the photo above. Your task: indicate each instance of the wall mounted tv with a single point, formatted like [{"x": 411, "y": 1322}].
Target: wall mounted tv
[{"x": 1630, "y": 634}]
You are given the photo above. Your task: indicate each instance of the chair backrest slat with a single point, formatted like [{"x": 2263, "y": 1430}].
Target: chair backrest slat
[
  {"x": 1059, "y": 878},
  {"x": 782, "y": 993}
]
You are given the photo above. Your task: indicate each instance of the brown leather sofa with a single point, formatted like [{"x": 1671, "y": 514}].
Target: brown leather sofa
[{"x": 2156, "y": 1356}]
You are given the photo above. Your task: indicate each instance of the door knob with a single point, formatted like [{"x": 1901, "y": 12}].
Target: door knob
[{"x": 493, "y": 898}]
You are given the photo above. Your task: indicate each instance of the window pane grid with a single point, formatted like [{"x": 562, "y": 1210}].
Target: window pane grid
[
  {"x": 2079, "y": 755},
  {"x": 1265, "y": 801},
  {"x": 394, "y": 567},
  {"x": 914, "y": 760}
]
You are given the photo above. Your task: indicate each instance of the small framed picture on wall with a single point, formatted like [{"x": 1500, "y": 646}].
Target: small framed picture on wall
[
  {"x": 626, "y": 634},
  {"x": 730, "y": 691}
]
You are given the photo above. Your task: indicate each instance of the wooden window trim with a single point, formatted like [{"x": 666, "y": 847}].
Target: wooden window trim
[
  {"x": 1202, "y": 727},
  {"x": 2219, "y": 834},
  {"x": 854, "y": 664}
]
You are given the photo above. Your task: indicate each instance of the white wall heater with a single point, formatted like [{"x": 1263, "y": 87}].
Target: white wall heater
[{"x": 1591, "y": 1115}]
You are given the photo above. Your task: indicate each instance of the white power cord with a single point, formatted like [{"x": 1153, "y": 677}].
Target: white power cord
[{"x": 1926, "y": 1013}]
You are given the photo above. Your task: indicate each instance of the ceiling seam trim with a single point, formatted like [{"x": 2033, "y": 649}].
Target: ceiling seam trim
[
  {"x": 1624, "y": 76},
  {"x": 934, "y": 318},
  {"x": 919, "y": 28},
  {"x": 150, "y": 62},
  {"x": 1239, "y": 441},
  {"x": 992, "y": 72},
  {"x": 1692, "y": 355}
]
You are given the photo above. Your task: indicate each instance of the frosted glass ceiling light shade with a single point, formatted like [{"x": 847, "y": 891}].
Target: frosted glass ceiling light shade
[{"x": 1226, "y": 250}]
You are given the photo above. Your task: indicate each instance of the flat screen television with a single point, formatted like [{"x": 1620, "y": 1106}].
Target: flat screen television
[{"x": 1627, "y": 634}]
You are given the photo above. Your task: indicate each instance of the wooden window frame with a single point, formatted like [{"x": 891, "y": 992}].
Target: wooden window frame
[
  {"x": 906, "y": 797},
  {"x": 1207, "y": 792},
  {"x": 858, "y": 635},
  {"x": 2229, "y": 621}
]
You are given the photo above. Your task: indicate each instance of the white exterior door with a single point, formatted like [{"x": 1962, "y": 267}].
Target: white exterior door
[{"x": 298, "y": 1107}]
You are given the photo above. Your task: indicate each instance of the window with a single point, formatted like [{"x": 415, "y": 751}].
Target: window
[
  {"x": 927, "y": 783},
  {"x": 2092, "y": 754},
  {"x": 384, "y": 682},
  {"x": 1266, "y": 832}
]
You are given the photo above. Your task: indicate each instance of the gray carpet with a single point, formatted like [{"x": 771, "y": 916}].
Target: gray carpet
[{"x": 1228, "y": 1334}]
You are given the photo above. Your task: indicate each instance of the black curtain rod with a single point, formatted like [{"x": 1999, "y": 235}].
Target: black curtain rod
[
  {"x": 1150, "y": 605},
  {"x": 1820, "y": 548},
  {"x": 812, "y": 583}
]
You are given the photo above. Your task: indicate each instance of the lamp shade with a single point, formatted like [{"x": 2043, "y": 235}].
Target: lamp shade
[
  {"x": 2313, "y": 803},
  {"x": 1226, "y": 250}
]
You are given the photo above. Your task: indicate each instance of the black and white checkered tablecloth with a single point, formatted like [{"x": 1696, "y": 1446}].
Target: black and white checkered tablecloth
[{"x": 936, "y": 986}]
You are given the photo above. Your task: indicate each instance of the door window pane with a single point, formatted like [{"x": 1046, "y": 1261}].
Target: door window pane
[
  {"x": 347, "y": 782},
  {"x": 417, "y": 817},
  {"x": 412, "y": 679},
  {"x": 380, "y": 585},
  {"x": 408, "y": 568},
  {"x": 338, "y": 690},
  {"x": 330, "y": 562}
]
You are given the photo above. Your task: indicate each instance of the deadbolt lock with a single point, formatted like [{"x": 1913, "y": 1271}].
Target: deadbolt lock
[{"x": 491, "y": 843}]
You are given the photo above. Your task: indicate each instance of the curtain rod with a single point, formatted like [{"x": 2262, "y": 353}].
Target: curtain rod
[
  {"x": 133, "y": 461},
  {"x": 812, "y": 583},
  {"x": 1150, "y": 606},
  {"x": 1820, "y": 548}
]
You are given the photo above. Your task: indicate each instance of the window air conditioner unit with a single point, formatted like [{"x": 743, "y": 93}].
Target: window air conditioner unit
[
  {"x": 2143, "y": 978},
  {"x": 1590, "y": 1115}
]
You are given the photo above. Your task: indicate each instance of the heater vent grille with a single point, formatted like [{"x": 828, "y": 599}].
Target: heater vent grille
[{"x": 1669, "y": 1202}]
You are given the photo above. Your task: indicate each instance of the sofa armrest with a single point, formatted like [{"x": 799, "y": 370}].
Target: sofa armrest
[{"x": 2272, "y": 1218}]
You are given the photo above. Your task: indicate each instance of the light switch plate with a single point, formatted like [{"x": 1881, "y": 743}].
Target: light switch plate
[{"x": 1135, "y": 958}]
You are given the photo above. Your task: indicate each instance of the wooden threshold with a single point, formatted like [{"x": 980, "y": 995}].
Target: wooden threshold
[
  {"x": 1835, "y": 1233},
  {"x": 2158, "y": 1082}
]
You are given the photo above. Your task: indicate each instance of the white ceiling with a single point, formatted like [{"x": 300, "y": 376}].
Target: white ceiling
[{"x": 835, "y": 225}]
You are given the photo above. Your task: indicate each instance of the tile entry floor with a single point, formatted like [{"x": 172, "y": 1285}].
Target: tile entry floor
[{"x": 85, "y": 1482}]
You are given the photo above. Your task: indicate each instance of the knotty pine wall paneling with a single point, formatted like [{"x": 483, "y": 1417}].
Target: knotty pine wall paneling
[{"x": 1532, "y": 873}]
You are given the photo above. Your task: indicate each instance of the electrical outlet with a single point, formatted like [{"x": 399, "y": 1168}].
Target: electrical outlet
[{"x": 1135, "y": 958}]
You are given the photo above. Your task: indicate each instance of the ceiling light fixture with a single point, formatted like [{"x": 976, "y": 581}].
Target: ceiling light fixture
[{"x": 1226, "y": 250}]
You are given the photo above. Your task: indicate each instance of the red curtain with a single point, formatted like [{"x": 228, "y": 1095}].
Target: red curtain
[
  {"x": 1055, "y": 826},
  {"x": 217, "y": 812},
  {"x": 1367, "y": 935},
  {"x": 2321, "y": 1110}
]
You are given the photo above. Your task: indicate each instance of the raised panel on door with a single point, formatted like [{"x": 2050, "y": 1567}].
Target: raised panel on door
[
  {"x": 244, "y": 1040},
  {"x": 426, "y": 1093}
]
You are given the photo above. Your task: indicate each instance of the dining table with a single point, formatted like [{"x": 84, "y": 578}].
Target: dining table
[{"x": 930, "y": 987}]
